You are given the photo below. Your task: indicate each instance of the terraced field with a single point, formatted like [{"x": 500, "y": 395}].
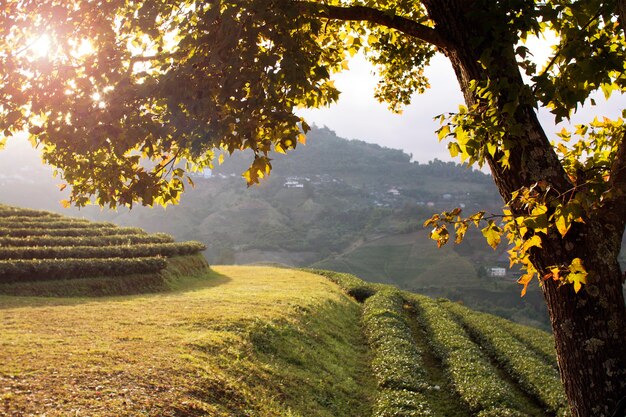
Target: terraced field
[{"x": 40, "y": 246}]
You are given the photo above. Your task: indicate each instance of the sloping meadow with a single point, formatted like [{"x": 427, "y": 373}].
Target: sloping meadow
[{"x": 38, "y": 246}]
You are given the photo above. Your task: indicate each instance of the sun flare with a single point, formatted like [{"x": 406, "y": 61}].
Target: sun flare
[{"x": 41, "y": 46}]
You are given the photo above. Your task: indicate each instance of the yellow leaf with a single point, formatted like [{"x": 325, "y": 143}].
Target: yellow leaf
[
  {"x": 578, "y": 280},
  {"x": 441, "y": 235},
  {"x": 220, "y": 159},
  {"x": 279, "y": 148},
  {"x": 443, "y": 132},
  {"x": 461, "y": 229},
  {"x": 492, "y": 233},
  {"x": 525, "y": 280},
  {"x": 562, "y": 222},
  {"x": 577, "y": 274},
  {"x": 65, "y": 203},
  {"x": 532, "y": 242},
  {"x": 302, "y": 138}
]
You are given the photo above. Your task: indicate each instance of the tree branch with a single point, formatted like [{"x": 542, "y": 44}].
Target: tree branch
[
  {"x": 614, "y": 209},
  {"x": 621, "y": 12},
  {"x": 618, "y": 171},
  {"x": 380, "y": 17}
]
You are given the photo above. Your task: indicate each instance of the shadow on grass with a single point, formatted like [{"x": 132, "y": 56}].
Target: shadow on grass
[{"x": 90, "y": 290}]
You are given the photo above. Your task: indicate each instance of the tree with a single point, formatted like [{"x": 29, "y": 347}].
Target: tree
[{"x": 103, "y": 86}]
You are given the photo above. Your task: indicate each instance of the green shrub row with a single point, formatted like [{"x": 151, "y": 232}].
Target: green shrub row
[
  {"x": 535, "y": 376},
  {"x": 21, "y": 270},
  {"x": 538, "y": 340},
  {"x": 85, "y": 241},
  {"x": 114, "y": 251},
  {"x": 45, "y": 223},
  {"x": 42, "y": 219},
  {"x": 76, "y": 231},
  {"x": 470, "y": 371},
  {"x": 7, "y": 211},
  {"x": 396, "y": 361},
  {"x": 353, "y": 286},
  {"x": 178, "y": 269}
]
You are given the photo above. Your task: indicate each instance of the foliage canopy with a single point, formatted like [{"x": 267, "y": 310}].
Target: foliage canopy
[{"x": 103, "y": 86}]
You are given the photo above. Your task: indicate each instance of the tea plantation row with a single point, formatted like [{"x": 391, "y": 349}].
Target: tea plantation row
[
  {"x": 496, "y": 368},
  {"x": 43, "y": 246}
]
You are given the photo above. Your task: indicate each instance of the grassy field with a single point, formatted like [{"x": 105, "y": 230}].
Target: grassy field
[
  {"x": 267, "y": 341},
  {"x": 235, "y": 341}
]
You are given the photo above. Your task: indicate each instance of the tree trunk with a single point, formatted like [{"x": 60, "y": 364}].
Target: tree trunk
[{"x": 589, "y": 327}]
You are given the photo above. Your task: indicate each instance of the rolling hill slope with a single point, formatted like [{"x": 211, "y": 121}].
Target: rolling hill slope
[
  {"x": 237, "y": 341},
  {"x": 262, "y": 341}
]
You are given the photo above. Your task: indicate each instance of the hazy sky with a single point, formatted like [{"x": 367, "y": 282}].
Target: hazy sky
[{"x": 358, "y": 115}]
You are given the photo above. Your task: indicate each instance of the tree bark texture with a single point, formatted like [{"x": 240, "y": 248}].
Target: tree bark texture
[{"x": 589, "y": 327}]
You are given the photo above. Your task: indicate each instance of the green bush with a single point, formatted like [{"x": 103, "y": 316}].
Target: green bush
[
  {"x": 73, "y": 232},
  {"x": 49, "y": 223},
  {"x": 113, "y": 251},
  {"x": 469, "y": 370},
  {"x": 6, "y": 211},
  {"x": 538, "y": 340},
  {"x": 353, "y": 286},
  {"x": 400, "y": 403},
  {"x": 535, "y": 376},
  {"x": 396, "y": 361},
  {"x": 85, "y": 241},
  {"x": 22, "y": 270}
]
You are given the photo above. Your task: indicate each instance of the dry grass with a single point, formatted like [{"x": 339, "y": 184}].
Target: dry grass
[{"x": 204, "y": 349}]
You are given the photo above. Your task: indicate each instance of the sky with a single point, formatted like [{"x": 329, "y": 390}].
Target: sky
[{"x": 358, "y": 115}]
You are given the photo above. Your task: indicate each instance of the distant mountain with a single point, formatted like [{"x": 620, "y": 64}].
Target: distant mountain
[{"x": 332, "y": 203}]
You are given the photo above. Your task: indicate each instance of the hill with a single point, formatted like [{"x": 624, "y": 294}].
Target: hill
[
  {"x": 262, "y": 341},
  {"x": 336, "y": 204},
  {"x": 320, "y": 200},
  {"x": 333, "y": 204}
]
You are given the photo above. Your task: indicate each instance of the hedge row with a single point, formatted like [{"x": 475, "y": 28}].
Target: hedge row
[
  {"x": 396, "y": 361},
  {"x": 353, "y": 286},
  {"x": 470, "y": 371},
  {"x": 42, "y": 219},
  {"x": 7, "y": 211},
  {"x": 85, "y": 241},
  {"x": 539, "y": 341},
  {"x": 52, "y": 269},
  {"x": 76, "y": 231},
  {"x": 45, "y": 223},
  {"x": 115, "y": 251},
  {"x": 536, "y": 377}
]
